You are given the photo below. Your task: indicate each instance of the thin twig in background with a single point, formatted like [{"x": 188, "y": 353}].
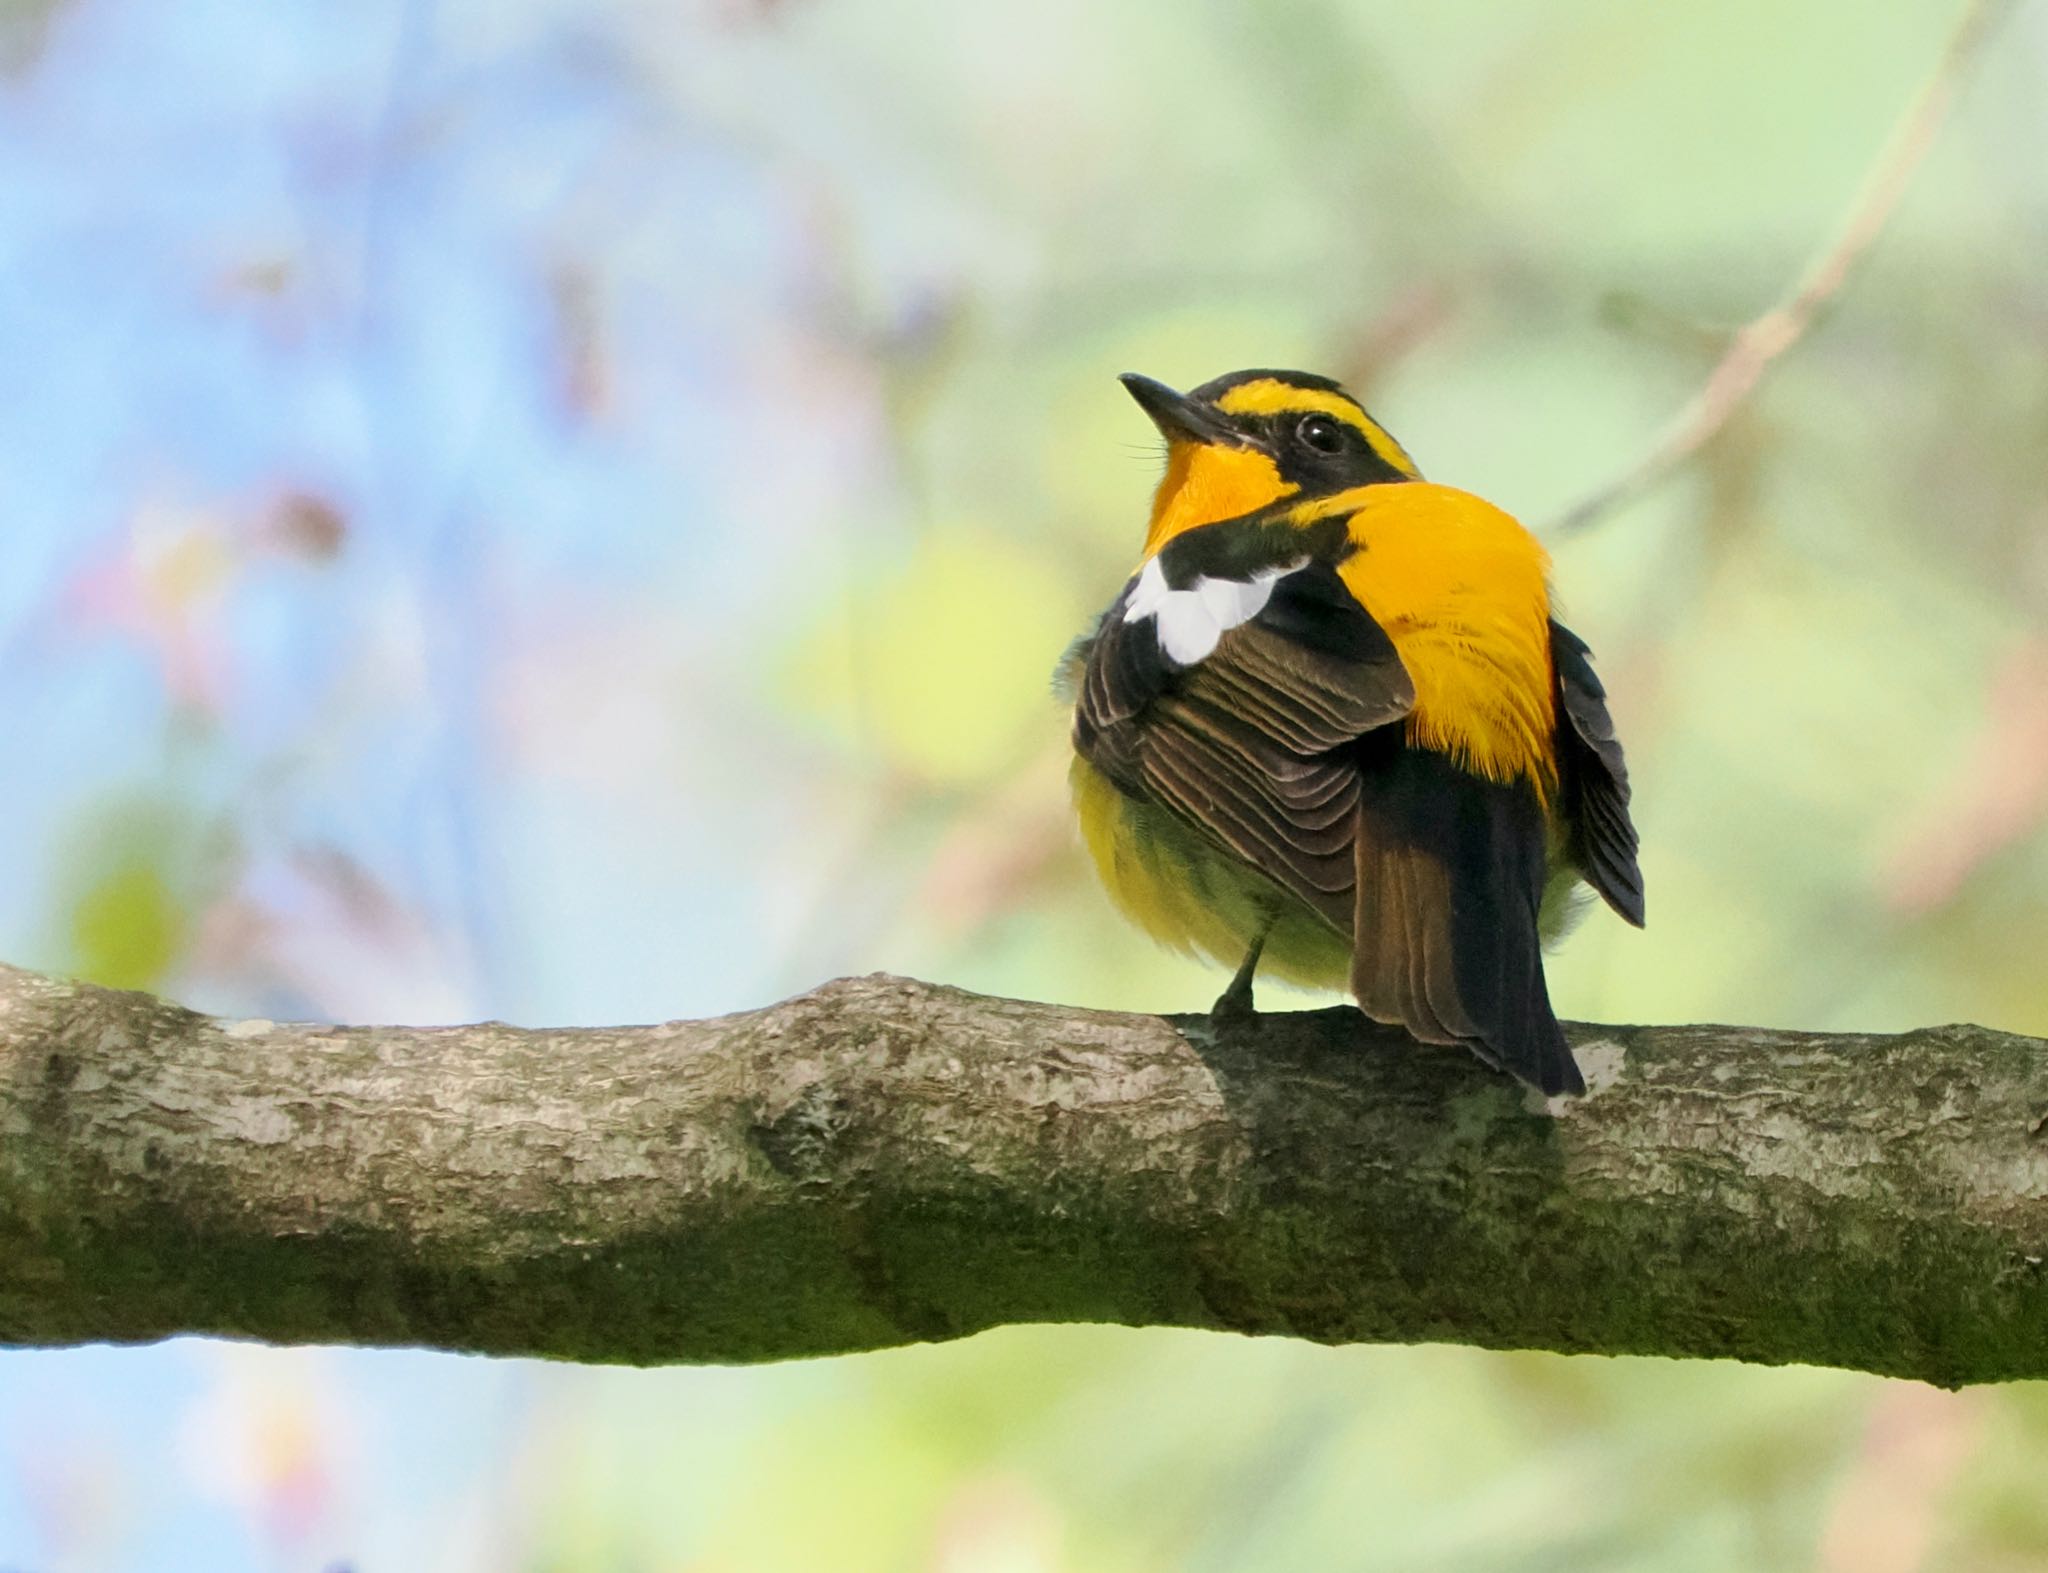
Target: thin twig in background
[{"x": 1764, "y": 339}]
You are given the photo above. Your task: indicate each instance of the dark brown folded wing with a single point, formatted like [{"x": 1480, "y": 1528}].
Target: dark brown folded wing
[
  {"x": 1593, "y": 780},
  {"x": 1250, "y": 744},
  {"x": 1450, "y": 880}
]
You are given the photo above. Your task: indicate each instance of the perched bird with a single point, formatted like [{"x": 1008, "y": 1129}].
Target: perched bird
[{"x": 1330, "y": 728}]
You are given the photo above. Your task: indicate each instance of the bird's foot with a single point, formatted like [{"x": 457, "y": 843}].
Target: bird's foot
[
  {"x": 1233, "y": 1008},
  {"x": 1233, "y": 1012}
]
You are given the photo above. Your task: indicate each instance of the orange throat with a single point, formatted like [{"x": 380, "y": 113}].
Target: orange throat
[{"x": 1205, "y": 483}]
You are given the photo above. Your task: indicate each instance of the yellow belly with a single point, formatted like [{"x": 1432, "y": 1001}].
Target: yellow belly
[{"x": 1193, "y": 896}]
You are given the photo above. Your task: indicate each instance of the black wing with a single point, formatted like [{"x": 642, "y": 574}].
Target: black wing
[
  {"x": 1593, "y": 780},
  {"x": 1248, "y": 743},
  {"x": 1446, "y": 942}
]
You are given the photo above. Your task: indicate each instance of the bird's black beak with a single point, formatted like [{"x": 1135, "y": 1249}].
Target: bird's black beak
[{"x": 1178, "y": 417}]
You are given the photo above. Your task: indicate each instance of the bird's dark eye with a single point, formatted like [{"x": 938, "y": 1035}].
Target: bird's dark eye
[{"x": 1320, "y": 433}]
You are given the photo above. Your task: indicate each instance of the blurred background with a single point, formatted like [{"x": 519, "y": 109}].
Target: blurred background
[{"x": 565, "y": 510}]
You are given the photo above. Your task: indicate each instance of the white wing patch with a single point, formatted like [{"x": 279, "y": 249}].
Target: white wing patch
[{"x": 1191, "y": 621}]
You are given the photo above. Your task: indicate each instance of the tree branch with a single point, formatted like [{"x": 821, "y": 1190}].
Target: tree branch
[
  {"x": 1761, "y": 341},
  {"x": 882, "y": 1161}
]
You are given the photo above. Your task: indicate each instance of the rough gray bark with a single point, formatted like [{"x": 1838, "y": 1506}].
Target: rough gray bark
[{"x": 881, "y": 1161}]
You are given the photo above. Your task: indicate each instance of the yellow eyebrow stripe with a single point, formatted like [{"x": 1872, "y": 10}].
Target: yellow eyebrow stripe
[{"x": 1271, "y": 396}]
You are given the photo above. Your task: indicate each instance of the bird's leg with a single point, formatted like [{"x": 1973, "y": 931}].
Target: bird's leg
[{"x": 1234, "y": 1004}]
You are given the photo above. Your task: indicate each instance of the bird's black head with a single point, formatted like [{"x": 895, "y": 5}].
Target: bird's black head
[
  {"x": 1254, "y": 438},
  {"x": 1318, "y": 438}
]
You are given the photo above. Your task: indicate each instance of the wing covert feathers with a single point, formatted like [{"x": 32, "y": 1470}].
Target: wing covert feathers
[{"x": 1249, "y": 745}]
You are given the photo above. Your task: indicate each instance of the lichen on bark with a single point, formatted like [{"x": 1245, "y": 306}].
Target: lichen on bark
[{"x": 883, "y": 1161}]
